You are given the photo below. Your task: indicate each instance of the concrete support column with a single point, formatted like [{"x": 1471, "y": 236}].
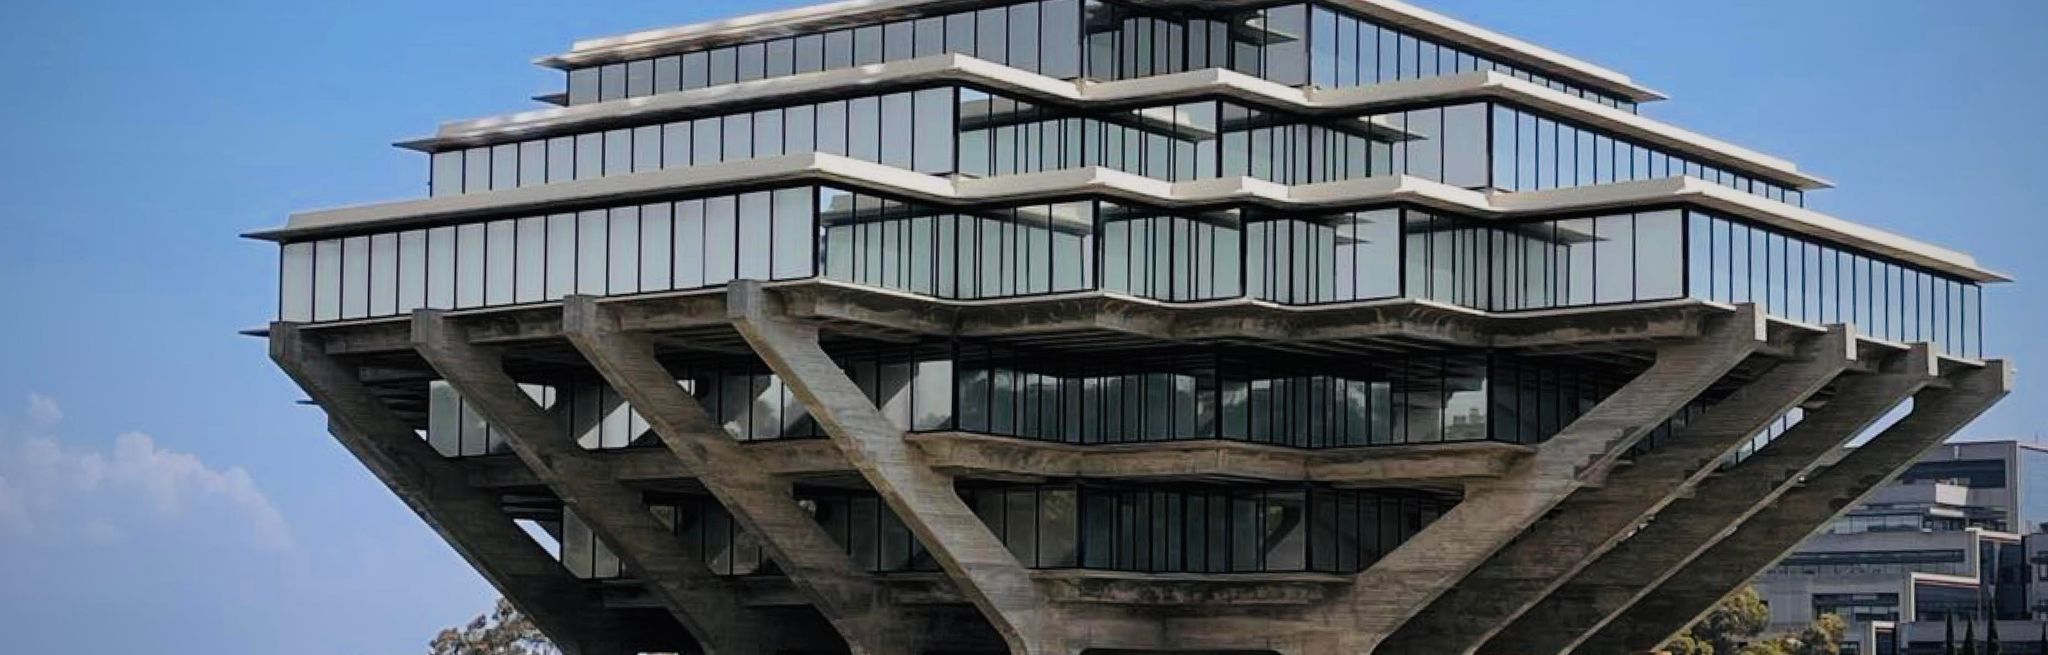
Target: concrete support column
[
  {"x": 1415, "y": 574},
  {"x": 986, "y": 572},
  {"x": 471, "y": 520},
  {"x": 864, "y": 613},
  {"x": 1593, "y": 519},
  {"x": 709, "y": 608},
  {"x": 1769, "y": 534},
  {"x": 1689, "y": 526}
]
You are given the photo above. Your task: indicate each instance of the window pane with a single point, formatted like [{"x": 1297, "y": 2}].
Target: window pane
[
  {"x": 469, "y": 265},
  {"x": 1659, "y": 255},
  {"x": 754, "y": 245},
  {"x": 591, "y": 239},
  {"x": 412, "y": 270},
  {"x": 793, "y": 234},
  {"x": 720, "y": 239},
  {"x": 531, "y": 261},
  {"x": 295, "y": 283},
  {"x": 656, "y": 241},
  {"x": 561, "y": 264},
  {"x": 498, "y": 258},
  {"x": 623, "y": 274}
]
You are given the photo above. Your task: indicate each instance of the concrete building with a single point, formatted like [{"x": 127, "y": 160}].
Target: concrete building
[
  {"x": 1960, "y": 534},
  {"x": 1114, "y": 326}
]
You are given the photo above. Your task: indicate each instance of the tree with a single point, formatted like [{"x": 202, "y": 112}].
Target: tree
[
  {"x": 1970, "y": 637},
  {"x": 1739, "y": 618},
  {"x": 1948, "y": 634},
  {"x": 503, "y": 631},
  {"x": 1824, "y": 637}
]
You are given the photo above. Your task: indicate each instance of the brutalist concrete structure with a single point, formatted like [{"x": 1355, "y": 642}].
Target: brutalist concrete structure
[{"x": 1113, "y": 326}]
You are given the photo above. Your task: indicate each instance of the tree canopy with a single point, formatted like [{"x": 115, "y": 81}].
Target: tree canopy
[{"x": 502, "y": 631}]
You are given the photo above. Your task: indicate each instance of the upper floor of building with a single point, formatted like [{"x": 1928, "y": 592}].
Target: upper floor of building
[{"x": 1174, "y": 151}]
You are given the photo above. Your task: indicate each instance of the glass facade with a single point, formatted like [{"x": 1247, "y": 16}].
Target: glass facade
[
  {"x": 974, "y": 133},
  {"x": 1141, "y": 528},
  {"x": 1198, "y": 529},
  {"x": 1291, "y": 257},
  {"x": 1211, "y": 393},
  {"x": 1805, "y": 280},
  {"x": 1293, "y": 44},
  {"x": 1859, "y": 608}
]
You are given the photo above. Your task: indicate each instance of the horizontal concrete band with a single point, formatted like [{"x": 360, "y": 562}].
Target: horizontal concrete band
[
  {"x": 1144, "y": 91},
  {"x": 881, "y": 314},
  {"x": 974, "y": 455},
  {"x": 1111, "y": 184},
  {"x": 824, "y": 17}
]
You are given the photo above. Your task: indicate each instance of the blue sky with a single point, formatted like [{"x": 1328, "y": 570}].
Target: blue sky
[{"x": 161, "y": 492}]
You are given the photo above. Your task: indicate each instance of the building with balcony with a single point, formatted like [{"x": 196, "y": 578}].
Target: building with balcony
[
  {"x": 1959, "y": 534},
  {"x": 900, "y": 326}
]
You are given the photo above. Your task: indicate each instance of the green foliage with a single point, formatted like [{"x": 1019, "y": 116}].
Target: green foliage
[
  {"x": 1969, "y": 638},
  {"x": 1737, "y": 619},
  {"x": 503, "y": 631}
]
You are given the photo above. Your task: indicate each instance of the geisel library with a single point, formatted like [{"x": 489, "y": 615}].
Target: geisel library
[{"x": 1106, "y": 326}]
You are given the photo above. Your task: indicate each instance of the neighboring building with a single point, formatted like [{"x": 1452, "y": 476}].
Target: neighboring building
[
  {"x": 905, "y": 326},
  {"x": 1960, "y": 533}
]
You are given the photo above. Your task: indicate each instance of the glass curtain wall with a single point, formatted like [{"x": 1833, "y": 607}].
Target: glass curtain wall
[
  {"x": 1202, "y": 529},
  {"x": 913, "y": 130},
  {"x": 1040, "y": 37},
  {"x": 1805, "y": 280},
  {"x": 1293, "y": 44},
  {"x": 912, "y": 388},
  {"x": 1291, "y": 257},
  {"x": 974, "y": 133}
]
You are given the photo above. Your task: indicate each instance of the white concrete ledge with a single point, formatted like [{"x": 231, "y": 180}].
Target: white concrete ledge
[
  {"x": 955, "y": 68},
  {"x": 822, "y": 17},
  {"x": 1117, "y": 185}
]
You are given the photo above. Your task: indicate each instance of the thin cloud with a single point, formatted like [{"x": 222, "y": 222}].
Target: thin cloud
[{"x": 53, "y": 491}]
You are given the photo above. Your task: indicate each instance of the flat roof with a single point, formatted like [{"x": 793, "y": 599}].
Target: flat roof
[{"x": 821, "y": 17}]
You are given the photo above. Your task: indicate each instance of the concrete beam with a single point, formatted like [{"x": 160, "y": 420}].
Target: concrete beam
[
  {"x": 842, "y": 307},
  {"x": 1593, "y": 520},
  {"x": 985, "y": 570},
  {"x": 1411, "y": 577},
  {"x": 862, "y": 611},
  {"x": 618, "y": 515},
  {"x": 1769, "y": 534},
  {"x": 1689, "y": 526},
  {"x": 970, "y": 455},
  {"x": 471, "y": 520}
]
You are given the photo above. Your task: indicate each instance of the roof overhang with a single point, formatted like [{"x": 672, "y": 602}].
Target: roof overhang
[{"x": 834, "y": 15}]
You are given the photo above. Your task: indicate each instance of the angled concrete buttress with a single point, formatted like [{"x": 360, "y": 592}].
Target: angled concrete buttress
[
  {"x": 1689, "y": 526},
  {"x": 471, "y": 520},
  {"x": 1937, "y": 413},
  {"x": 1397, "y": 587},
  {"x": 1593, "y": 519},
  {"x": 707, "y": 606},
  {"x": 985, "y": 570},
  {"x": 761, "y": 501}
]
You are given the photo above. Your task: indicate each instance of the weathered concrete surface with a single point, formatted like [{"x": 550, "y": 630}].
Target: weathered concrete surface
[
  {"x": 1494, "y": 512},
  {"x": 1689, "y": 526},
  {"x": 987, "y": 573},
  {"x": 1769, "y": 534},
  {"x": 1593, "y": 519},
  {"x": 471, "y": 520},
  {"x": 879, "y": 313},
  {"x": 859, "y": 608},
  {"x": 618, "y": 515},
  {"x": 978, "y": 455}
]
